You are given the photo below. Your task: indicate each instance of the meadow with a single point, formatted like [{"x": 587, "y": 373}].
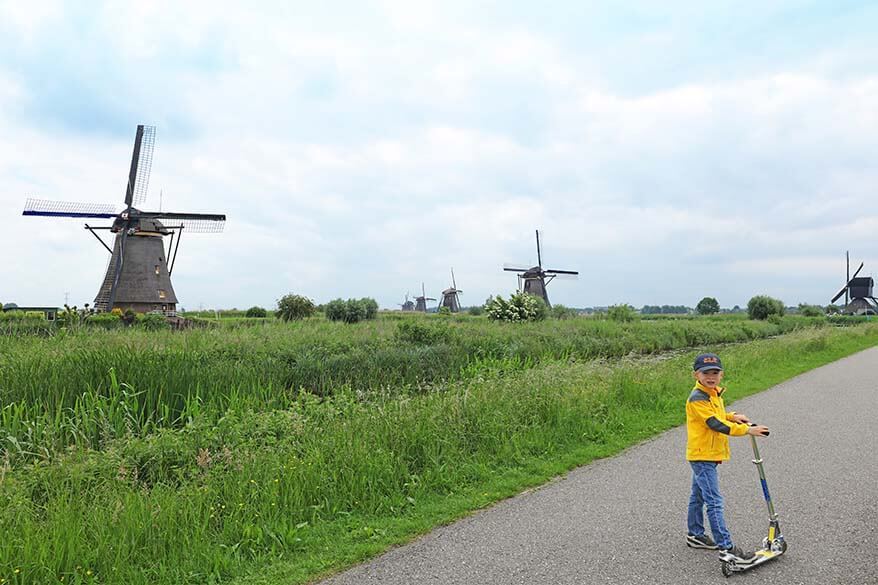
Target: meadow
[{"x": 272, "y": 452}]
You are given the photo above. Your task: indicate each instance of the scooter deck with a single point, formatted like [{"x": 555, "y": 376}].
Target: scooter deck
[{"x": 762, "y": 556}]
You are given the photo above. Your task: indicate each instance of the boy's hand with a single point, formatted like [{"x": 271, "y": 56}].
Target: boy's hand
[
  {"x": 740, "y": 418},
  {"x": 758, "y": 431}
]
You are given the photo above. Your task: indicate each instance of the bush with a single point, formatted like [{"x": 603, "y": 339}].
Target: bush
[
  {"x": 562, "y": 312},
  {"x": 294, "y": 307},
  {"x": 413, "y": 331},
  {"x": 106, "y": 320},
  {"x": 762, "y": 306},
  {"x": 622, "y": 313},
  {"x": 256, "y": 313},
  {"x": 707, "y": 306},
  {"x": 520, "y": 307},
  {"x": 475, "y": 311},
  {"x": 151, "y": 321},
  {"x": 810, "y": 310},
  {"x": 371, "y": 306},
  {"x": 351, "y": 310}
]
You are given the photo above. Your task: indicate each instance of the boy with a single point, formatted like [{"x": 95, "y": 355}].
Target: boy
[{"x": 708, "y": 427}]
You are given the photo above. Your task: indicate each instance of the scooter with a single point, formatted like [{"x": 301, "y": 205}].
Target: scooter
[{"x": 774, "y": 544}]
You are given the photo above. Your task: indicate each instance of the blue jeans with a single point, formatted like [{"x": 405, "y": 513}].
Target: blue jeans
[{"x": 705, "y": 491}]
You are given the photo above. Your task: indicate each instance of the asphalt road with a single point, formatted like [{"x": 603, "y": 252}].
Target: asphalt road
[{"x": 623, "y": 520}]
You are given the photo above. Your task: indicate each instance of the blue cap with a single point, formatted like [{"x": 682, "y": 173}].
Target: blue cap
[{"x": 707, "y": 361}]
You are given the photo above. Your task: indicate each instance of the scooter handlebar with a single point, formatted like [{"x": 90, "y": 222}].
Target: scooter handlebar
[{"x": 753, "y": 424}]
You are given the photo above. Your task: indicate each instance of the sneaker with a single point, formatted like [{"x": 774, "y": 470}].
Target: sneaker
[
  {"x": 737, "y": 555},
  {"x": 703, "y": 541}
]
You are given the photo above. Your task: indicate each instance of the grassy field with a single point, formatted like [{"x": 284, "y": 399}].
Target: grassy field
[{"x": 272, "y": 454}]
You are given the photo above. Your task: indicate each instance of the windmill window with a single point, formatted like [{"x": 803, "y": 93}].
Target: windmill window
[
  {"x": 156, "y": 268},
  {"x": 161, "y": 294}
]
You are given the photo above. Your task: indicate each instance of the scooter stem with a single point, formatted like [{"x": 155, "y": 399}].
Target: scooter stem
[{"x": 758, "y": 461}]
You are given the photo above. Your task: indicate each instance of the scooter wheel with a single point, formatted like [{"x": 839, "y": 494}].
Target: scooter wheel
[
  {"x": 783, "y": 547},
  {"x": 727, "y": 570}
]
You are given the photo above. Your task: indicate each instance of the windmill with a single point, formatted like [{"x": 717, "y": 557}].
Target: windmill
[
  {"x": 534, "y": 280},
  {"x": 138, "y": 274},
  {"x": 450, "y": 297},
  {"x": 421, "y": 301},
  {"x": 858, "y": 296},
  {"x": 407, "y": 305}
]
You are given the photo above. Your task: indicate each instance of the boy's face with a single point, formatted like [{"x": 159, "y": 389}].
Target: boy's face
[{"x": 709, "y": 378}]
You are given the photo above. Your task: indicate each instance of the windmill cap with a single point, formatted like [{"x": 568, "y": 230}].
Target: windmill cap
[{"x": 707, "y": 361}]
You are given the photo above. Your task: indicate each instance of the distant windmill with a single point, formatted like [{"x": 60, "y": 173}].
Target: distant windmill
[
  {"x": 534, "y": 280},
  {"x": 450, "y": 297},
  {"x": 407, "y": 305},
  {"x": 138, "y": 275},
  {"x": 858, "y": 296},
  {"x": 421, "y": 301}
]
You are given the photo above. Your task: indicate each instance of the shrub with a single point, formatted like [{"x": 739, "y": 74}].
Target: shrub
[
  {"x": 622, "y": 313},
  {"x": 707, "y": 306},
  {"x": 520, "y": 307},
  {"x": 475, "y": 311},
  {"x": 762, "y": 306},
  {"x": 562, "y": 312},
  {"x": 413, "y": 331},
  {"x": 810, "y": 310},
  {"x": 151, "y": 321},
  {"x": 106, "y": 320},
  {"x": 256, "y": 313},
  {"x": 294, "y": 307},
  {"x": 444, "y": 311}
]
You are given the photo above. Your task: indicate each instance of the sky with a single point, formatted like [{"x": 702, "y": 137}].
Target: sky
[{"x": 667, "y": 151}]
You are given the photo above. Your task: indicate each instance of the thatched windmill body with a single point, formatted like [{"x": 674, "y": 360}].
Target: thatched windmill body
[
  {"x": 859, "y": 298},
  {"x": 138, "y": 274},
  {"x": 533, "y": 280},
  {"x": 421, "y": 301},
  {"x": 450, "y": 296}
]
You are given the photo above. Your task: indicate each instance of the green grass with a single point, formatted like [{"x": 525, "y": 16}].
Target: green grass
[
  {"x": 283, "y": 494},
  {"x": 88, "y": 387}
]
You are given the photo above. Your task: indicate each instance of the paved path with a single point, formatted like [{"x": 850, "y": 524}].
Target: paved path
[{"x": 623, "y": 520}]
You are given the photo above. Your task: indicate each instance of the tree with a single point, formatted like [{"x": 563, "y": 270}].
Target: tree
[
  {"x": 707, "y": 306},
  {"x": 351, "y": 310},
  {"x": 294, "y": 307},
  {"x": 763, "y": 306}
]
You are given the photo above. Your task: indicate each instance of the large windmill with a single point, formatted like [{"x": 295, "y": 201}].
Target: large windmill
[
  {"x": 533, "y": 280},
  {"x": 421, "y": 301},
  {"x": 450, "y": 296},
  {"x": 858, "y": 296},
  {"x": 138, "y": 274}
]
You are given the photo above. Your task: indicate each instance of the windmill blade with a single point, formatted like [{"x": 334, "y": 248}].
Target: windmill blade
[
  {"x": 198, "y": 223},
  {"x": 565, "y": 276},
  {"x": 46, "y": 208},
  {"x": 453, "y": 284},
  {"x": 857, "y": 272},
  {"x": 539, "y": 253},
  {"x": 562, "y": 271},
  {"x": 429, "y": 299},
  {"x": 144, "y": 162},
  {"x": 515, "y": 268}
]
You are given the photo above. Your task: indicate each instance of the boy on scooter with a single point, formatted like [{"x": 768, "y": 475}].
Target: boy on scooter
[{"x": 708, "y": 427}]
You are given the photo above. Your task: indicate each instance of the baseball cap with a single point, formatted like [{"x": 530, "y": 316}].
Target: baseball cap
[{"x": 707, "y": 361}]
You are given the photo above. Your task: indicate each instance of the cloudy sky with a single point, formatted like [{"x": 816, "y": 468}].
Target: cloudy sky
[{"x": 667, "y": 150}]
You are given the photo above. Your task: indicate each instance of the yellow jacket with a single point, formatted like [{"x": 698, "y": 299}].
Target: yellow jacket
[{"x": 708, "y": 425}]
